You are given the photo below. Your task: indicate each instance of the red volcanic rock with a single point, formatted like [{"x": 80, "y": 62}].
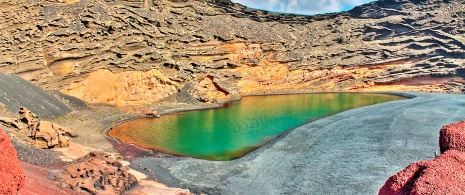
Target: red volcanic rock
[
  {"x": 452, "y": 137},
  {"x": 11, "y": 174},
  {"x": 442, "y": 175}
]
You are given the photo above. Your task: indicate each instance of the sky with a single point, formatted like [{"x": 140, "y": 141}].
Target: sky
[{"x": 306, "y": 7}]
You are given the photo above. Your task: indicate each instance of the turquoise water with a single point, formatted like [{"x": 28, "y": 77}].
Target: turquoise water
[{"x": 240, "y": 127}]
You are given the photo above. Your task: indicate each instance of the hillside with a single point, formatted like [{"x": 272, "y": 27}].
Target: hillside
[{"x": 130, "y": 52}]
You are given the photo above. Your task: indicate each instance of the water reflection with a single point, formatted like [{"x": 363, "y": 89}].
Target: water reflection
[{"x": 228, "y": 133}]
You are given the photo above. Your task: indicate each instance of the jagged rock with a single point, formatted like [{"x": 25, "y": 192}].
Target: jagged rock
[
  {"x": 29, "y": 118},
  {"x": 11, "y": 174},
  {"x": 60, "y": 45},
  {"x": 12, "y": 122},
  {"x": 49, "y": 135},
  {"x": 452, "y": 137},
  {"x": 45, "y": 134},
  {"x": 97, "y": 173},
  {"x": 443, "y": 175}
]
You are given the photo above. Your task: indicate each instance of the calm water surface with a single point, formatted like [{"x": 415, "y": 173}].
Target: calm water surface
[{"x": 231, "y": 132}]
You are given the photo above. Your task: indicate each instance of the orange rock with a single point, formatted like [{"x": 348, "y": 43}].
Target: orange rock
[
  {"x": 97, "y": 173},
  {"x": 124, "y": 88}
]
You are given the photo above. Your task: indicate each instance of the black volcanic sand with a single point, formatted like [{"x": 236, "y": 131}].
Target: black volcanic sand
[
  {"x": 352, "y": 152},
  {"x": 16, "y": 92}
]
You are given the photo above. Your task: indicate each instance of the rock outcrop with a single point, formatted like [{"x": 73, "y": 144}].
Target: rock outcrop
[
  {"x": 11, "y": 174},
  {"x": 97, "y": 173},
  {"x": 49, "y": 135},
  {"x": 452, "y": 137},
  {"x": 44, "y": 134},
  {"x": 63, "y": 45},
  {"x": 443, "y": 175}
]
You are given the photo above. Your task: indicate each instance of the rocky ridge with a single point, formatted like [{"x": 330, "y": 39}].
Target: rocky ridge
[{"x": 153, "y": 49}]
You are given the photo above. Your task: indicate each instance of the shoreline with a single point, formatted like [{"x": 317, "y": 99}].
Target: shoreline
[
  {"x": 303, "y": 151},
  {"x": 186, "y": 108}
]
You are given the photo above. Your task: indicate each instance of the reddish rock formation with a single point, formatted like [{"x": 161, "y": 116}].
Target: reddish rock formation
[
  {"x": 452, "y": 137},
  {"x": 443, "y": 175},
  {"x": 37, "y": 182},
  {"x": 11, "y": 174},
  {"x": 97, "y": 173}
]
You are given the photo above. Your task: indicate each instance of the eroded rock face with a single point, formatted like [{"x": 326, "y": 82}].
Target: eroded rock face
[
  {"x": 11, "y": 174},
  {"x": 44, "y": 134},
  {"x": 452, "y": 137},
  {"x": 97, "y": 173},
  {"x": 49, "y": 135},
  {"x": 443, "y": 175},
  {"x": 381, "y": 42}
]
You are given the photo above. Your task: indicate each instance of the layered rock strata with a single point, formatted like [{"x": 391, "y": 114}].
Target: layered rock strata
[
  {"x": 443, "y": 175},
  {"x": 151, "y": 49}
]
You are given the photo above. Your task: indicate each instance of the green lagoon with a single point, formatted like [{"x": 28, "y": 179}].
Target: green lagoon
[{"x": 232, "y": 131}]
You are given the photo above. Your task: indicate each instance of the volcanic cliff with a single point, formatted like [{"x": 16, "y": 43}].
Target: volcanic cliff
[{"x": 128, "y": 52}]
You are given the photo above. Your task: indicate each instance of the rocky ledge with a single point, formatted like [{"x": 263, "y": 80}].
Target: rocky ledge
[{"x": 443, "y": 175}]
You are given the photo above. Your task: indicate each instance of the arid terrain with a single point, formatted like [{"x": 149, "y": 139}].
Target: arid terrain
[
  {"x": 79, "y": 67},
  {"x": 142, "y": 52}
]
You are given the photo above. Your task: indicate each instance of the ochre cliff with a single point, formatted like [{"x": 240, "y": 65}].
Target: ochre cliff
[{"x": 127, "y": 52}]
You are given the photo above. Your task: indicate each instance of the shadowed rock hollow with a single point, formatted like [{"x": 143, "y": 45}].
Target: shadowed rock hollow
[{"x": 150, "y": 49}]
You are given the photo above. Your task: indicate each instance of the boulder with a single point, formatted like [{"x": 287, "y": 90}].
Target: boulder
[
  {"x": 49, "y": 135},
  {"x": 97, "y": 173},
  {"x": 149, "y": 112},
  {"x": 29, "y": 118},
  {"x": 442, "y": 175},
  {"x": 11, "y": 174},
  {"x": 452, "y": 137}
]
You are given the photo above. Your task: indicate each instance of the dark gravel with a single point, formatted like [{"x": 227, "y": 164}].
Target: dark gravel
[{"x": 16, "y": 92}]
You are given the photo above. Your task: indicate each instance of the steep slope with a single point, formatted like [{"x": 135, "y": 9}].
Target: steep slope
[
  {"x": 153, "y": 48},
  {"x": 16, "y": 92}
]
